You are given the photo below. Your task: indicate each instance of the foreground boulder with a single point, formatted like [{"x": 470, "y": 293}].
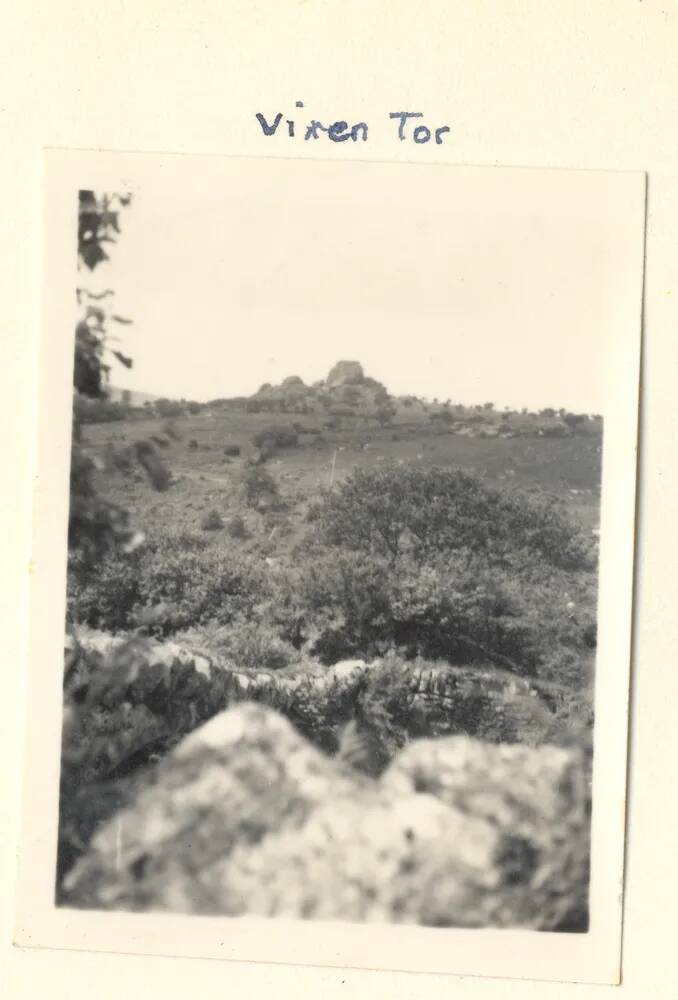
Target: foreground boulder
[
  {"x": 245, "y": 817},
  {"x": 538, "y": 802},
  {"x": 242, "y": 774}
]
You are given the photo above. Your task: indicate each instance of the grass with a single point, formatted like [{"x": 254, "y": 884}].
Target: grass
[{"x": 205, "y": 479}]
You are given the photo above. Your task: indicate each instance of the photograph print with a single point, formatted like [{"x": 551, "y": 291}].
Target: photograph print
[{"x": 337, "y": 631}]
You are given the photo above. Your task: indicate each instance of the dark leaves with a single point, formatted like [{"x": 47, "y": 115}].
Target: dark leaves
[{"x": 123, "y": 359}]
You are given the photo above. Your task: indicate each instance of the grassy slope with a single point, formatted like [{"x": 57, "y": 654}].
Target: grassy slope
[{"x": 568, "y": 468}]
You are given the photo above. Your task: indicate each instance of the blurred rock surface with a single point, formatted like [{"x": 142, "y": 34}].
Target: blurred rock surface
[{"x": 245, "y": 816}]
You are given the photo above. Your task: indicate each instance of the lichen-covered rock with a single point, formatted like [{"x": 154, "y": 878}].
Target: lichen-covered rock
[
  {"x": 245, "y": 817},
  {"x": 458, "y": 833},
  {"x": 239, "y": 776},
  {"x": 371, "y": 857},
  {"x": 539, "y": 798}
]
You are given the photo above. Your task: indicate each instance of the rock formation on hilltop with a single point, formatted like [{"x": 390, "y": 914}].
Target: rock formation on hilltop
[
  {"x": 345, "y": 373},
  {"x": 346, "y": 389}
]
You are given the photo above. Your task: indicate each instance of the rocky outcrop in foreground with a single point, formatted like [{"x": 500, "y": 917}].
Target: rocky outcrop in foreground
[{"x": 245, "y": 817}]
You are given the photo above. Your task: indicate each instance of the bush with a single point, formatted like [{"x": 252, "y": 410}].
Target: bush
[
  {"x": 556, "y": 431},
  {"x": 354, "y": 605},
  {"x": 105, "y": 597},
  {"x": 248, "y": 644},
  {"x": 272, "y": 438},
  {"x": 442, "y": 416},
  {"x": 426, "y": 512},
  {"x": 196, "y": 583},
  {"x": 237, "y": 527},
  {"x": 213, "y": 521},
  {"x": 202, "y": 587},
  {"x": 99, "y": 411},
  {"x": 346, "y": 605},
  {"x": 232, "y": 450},
  {"x": 168, "y": 408},
  {"x": 260, "y": 487}
]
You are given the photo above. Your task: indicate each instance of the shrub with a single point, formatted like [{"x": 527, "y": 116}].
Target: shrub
[
  {"x": 346, "y": 602},
  {"x": 260, "y": 487},
  {"x": 201, "y": 586},
  {"x": 574, "y": 420},
  {"x": 423, "y": 512},
  {"x": 98, "y": 411},
  {"x": 168, "y": 408},
  {"x": 236, "y": 527},
  {"x": 232, "y": 450},
  {"x": 212, "y": 521},
  {"x": 249, "y": 644},
  {"x": 104, "y": 598},
  {"x": 443, "y": 416},
  {"x": 352, "y": 604},
  {"x": 272, "y": 438},
  {"x": 196, "y": 583},
  {"x": 156, "y": 470}
]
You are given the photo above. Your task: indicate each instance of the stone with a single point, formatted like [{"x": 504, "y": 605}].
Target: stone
[
  {"x": 345, "y": 373},
  {"x": 370, "y": 857},
  {"x": 245, "y": 817},
  {"x": 235, "y": 778},
  {"x": 538, "y": 798}
]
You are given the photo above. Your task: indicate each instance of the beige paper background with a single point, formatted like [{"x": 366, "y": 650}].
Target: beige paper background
[{"x": 592, "y": 85}]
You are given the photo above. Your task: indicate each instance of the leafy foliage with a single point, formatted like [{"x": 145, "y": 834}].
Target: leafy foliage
[
  {"x": 95, "y": 524},
  {"x": 260, "y": 487},
  {"x": 194, "y": 585},
  {"x": 396, "y": 510},
  {"x": 212, "y": 521},
  {"x": 276, "y": 437}
]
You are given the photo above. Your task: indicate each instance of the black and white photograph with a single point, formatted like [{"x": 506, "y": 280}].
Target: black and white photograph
[{"x": 343, "y": 562}]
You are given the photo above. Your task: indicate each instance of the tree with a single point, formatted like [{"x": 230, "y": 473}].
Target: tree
[
  {"x": 94, "y": 522},
  {"x": 424, "y": 514},
  {"x": 574, "y": 420}
]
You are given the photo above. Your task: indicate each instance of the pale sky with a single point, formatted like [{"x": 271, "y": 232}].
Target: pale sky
[{"x": 479, "y": 286}]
